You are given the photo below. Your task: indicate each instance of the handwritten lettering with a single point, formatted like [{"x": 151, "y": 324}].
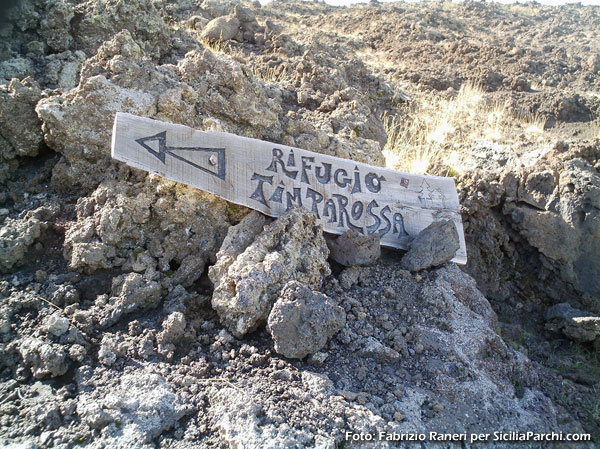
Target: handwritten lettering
[
  {"x": 373, "y": 182},
  {"x": 325, "y": 176},
  {"x": 388, "y": 226},
  {"x": 277, "y": 161},
  {"x": 273, "y": 178},
  {"x": 294, "y": 200},
  {"x": 259, "y": 193},
  {"x": 316, "y": 198},
  {"x": 305, "y": 167},
  {"x": 371, "y": 229},
  {"x": 329, "y": 211},
  {"x": 339, "y": 208}
]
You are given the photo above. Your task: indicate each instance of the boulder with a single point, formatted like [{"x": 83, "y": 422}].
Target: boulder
[
  {"x": 302, "y": 321},
  {"x": 238, "y": 238},
  {"x": 44, "y": 358},
  {"x": 352, "y": 248},
  {"x": 221, "y": 29},
  {"x": 542, "y": 207},
  {"x": 244, "y": 15},
  {"x": 291, "y": 248},
  {"x": 16, "y": 236},
  {"x": 20, "y": 129},
  {"x": 435, "y": 245},
  {"x": 564, "y": 222},
  {"x": 575, "y": 324}
]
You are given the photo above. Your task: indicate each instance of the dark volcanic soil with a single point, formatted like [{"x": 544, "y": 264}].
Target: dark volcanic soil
[{"x": 107, "y": 334}]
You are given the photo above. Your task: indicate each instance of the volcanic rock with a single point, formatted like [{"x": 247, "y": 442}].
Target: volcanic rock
[
  {"x": 44, "y": 358},
  {"x": 301, "y": 321},
  {"x": 221, "y": 29},
  {"x": 16, "y": 236},
  {"x": 238, "y": 238},
  {"x": 435, "y": 245},
  {"x": 20, "y": 131},
  {"x": 351, "y": 248},
  {"x": 575, "y": 324},
  {"x": 291, "y": 248}
]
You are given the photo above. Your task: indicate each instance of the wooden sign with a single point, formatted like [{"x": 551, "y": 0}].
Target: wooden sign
[{"x": 273, "y": 178}]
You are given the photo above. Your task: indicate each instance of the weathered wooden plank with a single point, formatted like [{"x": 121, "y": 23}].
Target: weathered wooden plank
[{"x": 272, "y": 178}]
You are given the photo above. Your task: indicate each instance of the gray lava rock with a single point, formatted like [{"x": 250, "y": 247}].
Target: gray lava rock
[
  {"x": 130, "y": 292},
  {"x": 238, "y": 238},
  {"x": 172, "y": 333},
  {"x": 374, "y": 349},
  {"x": 237, "y": 418},
  {"x": 168, "y": 94},
  {"x": 245, "y": 15},
  {"x": 44, "y": 359},
  {"x": 16, "y": 236},
  {"x": 551, "y": 203},
  {"x": 564, "y": 225},
  {"x": 120, "y": 224},
  {"x": 144, "y": 404},
  {"x": 20, "y": 129},
  {"x": 301, "y": 321},
  {"x": 291, "y": 248},
  {"x": 173, "y": 328},
  {"x": 56, "y": 324},
  {"x": 93, "y": 415},
  {"x": 352, "y": 248},
  {"x": 435, "y": 245},
  {"x": 221, "y": 29},
  {"x": 107, "y": 354},
  {"x": 99, "y": 21},
  {"x": 575, "y": 324}
]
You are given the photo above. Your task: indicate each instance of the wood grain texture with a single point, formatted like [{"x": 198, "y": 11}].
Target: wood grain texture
[{"x": 272, "y": 178}]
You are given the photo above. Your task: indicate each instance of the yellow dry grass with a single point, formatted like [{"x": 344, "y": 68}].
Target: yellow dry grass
[
  {"x": 419, "y": 137},
  {"x": 595, "y": 129},
  {"x": 435, "y": 132},
  {"x": 220, "y": 47},
  {"x": 269, "y": 74},
  {"x": 526, "y": 10},
  {"x": 531, "y": 123},
  {"x": 276, "y": 75}
]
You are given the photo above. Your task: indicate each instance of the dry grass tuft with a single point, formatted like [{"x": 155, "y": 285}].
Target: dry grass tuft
[
  {"x": 222, "y": 48},
  {"x": 531, "y": 123},
  {"x": 526, "y": 10},
  {"x": 595, "y": 129},
  {"x": 420, "y": 138},
  {"x": 435, "y": 132},
  {"x": 276, "y": 75},
  {"x": 214, "y": 46}
]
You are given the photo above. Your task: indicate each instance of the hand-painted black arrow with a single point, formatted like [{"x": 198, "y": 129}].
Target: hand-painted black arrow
[{"x": 164, "y": 150}]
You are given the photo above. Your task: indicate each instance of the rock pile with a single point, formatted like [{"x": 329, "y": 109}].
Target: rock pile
[
  {"x": 111, "y": 331},
  {"x": 247, "y": 286}
]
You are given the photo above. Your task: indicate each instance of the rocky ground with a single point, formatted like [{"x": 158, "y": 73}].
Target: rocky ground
[{"x": 137, "y": 312}]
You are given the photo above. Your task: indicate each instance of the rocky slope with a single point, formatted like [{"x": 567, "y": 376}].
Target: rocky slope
[{"x": 137, "y": 312}]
